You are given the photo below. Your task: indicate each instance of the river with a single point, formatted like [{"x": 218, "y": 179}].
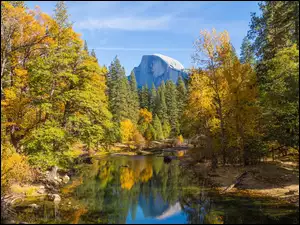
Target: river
[{"x": 145, "y": 189}]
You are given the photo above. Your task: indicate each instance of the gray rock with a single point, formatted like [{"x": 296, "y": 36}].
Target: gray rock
[
  {"x": 35, "y": 206},
  {"x": 41, "y": 191},
  {"x": 54, "y": 197},
  {"x": 157, "y": 68},
  {"x": 66, "y": 179}
]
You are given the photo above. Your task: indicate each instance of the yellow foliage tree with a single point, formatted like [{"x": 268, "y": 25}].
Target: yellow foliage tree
[
  {"x": 127, "y": 129},
  {"x": 146, "y": 115}
]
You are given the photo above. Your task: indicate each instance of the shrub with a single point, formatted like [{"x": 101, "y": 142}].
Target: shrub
[
  {"x": 14, "y": 168},
  {"x": 139, "y": 140}
]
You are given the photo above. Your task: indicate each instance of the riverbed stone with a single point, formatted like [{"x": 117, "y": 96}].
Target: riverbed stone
[
  {"x": 54, "y": 197},
  {"x": 34, "y": 206},
  {"x": 66, "y": 179}
]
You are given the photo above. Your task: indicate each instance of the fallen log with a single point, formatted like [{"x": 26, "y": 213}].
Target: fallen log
[{"x": 236, "y": 182}]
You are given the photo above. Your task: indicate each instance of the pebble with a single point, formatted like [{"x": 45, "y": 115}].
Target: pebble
[{"x": 35, "y": 206}]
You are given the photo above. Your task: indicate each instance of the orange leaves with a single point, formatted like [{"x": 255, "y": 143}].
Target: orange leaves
[{"x": 78, "y": 213}]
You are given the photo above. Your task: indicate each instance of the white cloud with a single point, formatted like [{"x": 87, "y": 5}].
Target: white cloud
[{"x": 126, "y": 23}]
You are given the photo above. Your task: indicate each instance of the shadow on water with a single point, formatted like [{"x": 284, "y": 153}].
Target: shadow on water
[{"x": 144, "y": 189}]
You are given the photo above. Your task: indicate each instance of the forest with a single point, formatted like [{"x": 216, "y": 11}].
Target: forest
[{"x": 58, "y": 101}]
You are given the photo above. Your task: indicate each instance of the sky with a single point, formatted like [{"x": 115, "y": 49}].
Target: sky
[{"x": 132, "y": 29}]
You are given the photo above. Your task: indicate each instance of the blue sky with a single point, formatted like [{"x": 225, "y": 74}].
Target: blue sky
[{"x": 133, "y": 29}]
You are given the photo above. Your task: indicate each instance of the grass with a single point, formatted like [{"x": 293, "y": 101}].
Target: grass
[{"x": 27, "y": 190}]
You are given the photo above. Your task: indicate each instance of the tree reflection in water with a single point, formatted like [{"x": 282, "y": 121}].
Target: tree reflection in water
[{"x": 145, "y": 189}]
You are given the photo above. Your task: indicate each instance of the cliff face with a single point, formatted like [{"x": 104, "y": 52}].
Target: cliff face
[{"x": 156, "y": 68}]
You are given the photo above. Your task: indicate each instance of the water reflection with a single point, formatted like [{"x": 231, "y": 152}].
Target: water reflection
[{"x": 143, "y": 189}]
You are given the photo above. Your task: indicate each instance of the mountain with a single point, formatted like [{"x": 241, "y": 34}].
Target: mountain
[{"x": 156, "y": 68}]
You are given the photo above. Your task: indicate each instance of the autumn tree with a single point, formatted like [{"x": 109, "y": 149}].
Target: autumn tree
[{"x": 215, "y": 48}]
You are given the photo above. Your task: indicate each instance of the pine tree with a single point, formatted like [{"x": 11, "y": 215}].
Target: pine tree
[
  {"x": 247, "y": 54},
  {"x": 166, "y": 129},
  {"x": 144, "y": 97},
  {"x": 172, "y": 110},
  {"x": 93, "y": 54},
  {"x": 181, "y": 97},
  {"x": 276, "y": 38},
  {"x": 118, "y": 91},
  {"x": 85, "y": 48},
  {"x": 161, "y": 103},
  {"x": 133, "y": 99},
  {"x": 152, "y": 99},
  {"x": 159, "y": 135},
  {"x": 61, "y": 16}
]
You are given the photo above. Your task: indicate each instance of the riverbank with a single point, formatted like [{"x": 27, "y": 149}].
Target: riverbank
[{"x": 276, "y": 179}]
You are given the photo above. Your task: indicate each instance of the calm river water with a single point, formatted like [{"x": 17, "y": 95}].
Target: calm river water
[{"x": 144, "y": 189}]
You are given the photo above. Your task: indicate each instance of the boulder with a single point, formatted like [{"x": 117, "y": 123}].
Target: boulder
[
  {"x": 34, "y": 206},
  {"x": 66, "y": 179},
  {"x": 167, "y": 159},
  {"x": 54, "y": 197}
]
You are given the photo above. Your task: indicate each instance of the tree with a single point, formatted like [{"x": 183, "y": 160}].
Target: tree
[
  {"x": 216, "y": 48},
  {"x": 161, "y": 103},
  {"x": 152, "y": 99},
  {"x": 181, "y": 99},
  {"x": 247, "y": 54},
  {"x": 18, "y": 4},
  {"x": 158, "y": 128},
  {"x": 134, "y": 99},
  {"x": 276, "y": 28},
  {"x": 145, "y": 118},
  {"x": 93, "y": 54},
  {"x": 61, "y": 15},
  {"x": 16, "y": 53},
  {"x": 85, "y": 48},
  {"x": 127, "y": 130},
  {"x": 55, "y": 96},
  {"x": 172, "y": 110},
  {"x": 144, "y": 97},
  {"x": 276, "y": 37},
  {"x": 281, "y": 101},
  {"x": 166, "y": 129},
  {"x": 118, "y": 91}
]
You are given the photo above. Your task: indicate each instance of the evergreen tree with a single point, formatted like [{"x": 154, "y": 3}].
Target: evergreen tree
[
  {"x": 118, "y": 91},
  {"x": 181, "y": 96},
  {"x": 61, "y": 16},
  {"x": 276, "y": 28},
  {"x": 85, "y": 48},
  {"x": 133, "y": 99},
  {"x": 159, "y": 135},
  {"x": 166, "y": 129},
  {"x": 276, "y": 43},
  {"x": 144, "y": 97},
  {"x": 172, "y": 110},
  {"x": 161, "y": 103},
  {"x": 152, "y": 99},
  {"x": 93, "y": 54},
  {"x": 247, "y": 54}
]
